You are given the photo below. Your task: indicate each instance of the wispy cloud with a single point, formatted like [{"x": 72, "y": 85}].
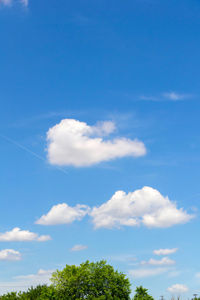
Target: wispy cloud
[
  {"x": 178, "y": 289},
  {"x": 6, "y": 2},
  {"x": 166, "y": 96},
  {"x": 128, "y": 258},
  {"x": 11, "y": 2},
  {"x": 32, "y": 153},
  {"x": 162, "y": 262},
  {"x": 23, "y": 282},
  {"x": 174, "y": 273},
  {"x": 77, "y": 248},
  {"x": 174, "y": 96},
  {"x": 149, "y": 272},
  {"x": 165, "y": 251},
  {"x": 24, "y": 2}
]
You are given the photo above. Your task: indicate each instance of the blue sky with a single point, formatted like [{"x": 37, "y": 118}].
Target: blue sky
[{"x": 99, "y": 97}]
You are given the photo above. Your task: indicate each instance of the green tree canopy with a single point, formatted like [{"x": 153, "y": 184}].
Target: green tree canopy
[
  {"x": 141, "y": 294},
  {"x": 91, "y": 281}
]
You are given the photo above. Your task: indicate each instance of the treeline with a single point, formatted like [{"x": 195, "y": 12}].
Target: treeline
[
  {"x": 41, "y": 292},
  {"x": 44, "y": 292},
  {"x": 91, "y": 281}
]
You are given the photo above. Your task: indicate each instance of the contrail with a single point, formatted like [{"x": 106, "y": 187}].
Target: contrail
[{"x": 28, "y": 151}]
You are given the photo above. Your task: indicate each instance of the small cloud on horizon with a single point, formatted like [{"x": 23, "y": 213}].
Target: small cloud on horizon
[
  {"x": 178, "y": 289},
  {"x": 77, "y": 248},
  {"x": 162, "y": 262},
  {"x": 23, "y": 282},
  {"x": 165, "y": 251},
  {"x": 147, "y": 272}
]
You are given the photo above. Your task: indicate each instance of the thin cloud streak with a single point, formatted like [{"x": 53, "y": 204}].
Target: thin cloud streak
[
  {"x": 29, "y": 151},
  {"x": 11, "y": 2},
  {"x": 166, "y": 96}
]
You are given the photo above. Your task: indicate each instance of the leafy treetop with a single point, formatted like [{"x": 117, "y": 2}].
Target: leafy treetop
[
  {"x": 91, "y": 281},
  {"x": 141, "y": 294}
]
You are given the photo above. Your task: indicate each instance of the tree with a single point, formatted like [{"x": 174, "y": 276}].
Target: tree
[
  {"x": 141, "y": 294},
  {"x": 9, "y": 296},
  {"x": 40, "y": 292},
  {"x": 91, "y": 281}
]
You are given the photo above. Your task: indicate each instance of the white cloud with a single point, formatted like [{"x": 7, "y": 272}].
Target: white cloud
[
  {"x": 78, "y": 248},
  {"x": 178, "y": 289},
  {"x": 103, "y": 128},
  {"x": 162, "y": 262},
  {"x": 141, "y": 273},
  {"x": 21, "y": 283},
  {"x": 10, "y": 254},
  {"x": 165, "y": 251},
  {"x": 63, "y": 214},
  {"x": 10, "y": 2},
  {"x": 75, "y": 143},
  {"x": 18, "y": 235},
  {"x": 145, "y": 206}
]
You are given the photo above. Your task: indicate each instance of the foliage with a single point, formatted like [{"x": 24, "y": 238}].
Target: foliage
[
  {"x": 9, "y": 296},
  {"x": 91, "y": 281},
  {"x": 41, "y": 292},
  {"x": 141, "y": 294}
]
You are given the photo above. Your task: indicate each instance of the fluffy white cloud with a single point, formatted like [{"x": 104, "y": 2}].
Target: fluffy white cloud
[
  {"x": 178, "y": 289},
  {"x": 145, "y": 206},
  {"x": 63, "y": 214},
  {"x": 75, "y": 143},
  {"x": 141, "y": 273},
  {"x": 20, "y": 283},
  {"x": 18, "y": 235},
  {"x": 165, "y": 251},
  {"x": 78, "y": 248},
  {"x": 162, "y": 262},
  {"x": 10, "y": 254},
  {"x": 10, "y": 2}
]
